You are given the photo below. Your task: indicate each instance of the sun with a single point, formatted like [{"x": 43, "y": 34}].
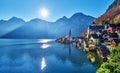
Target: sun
[{"x": 44, "y": 13}]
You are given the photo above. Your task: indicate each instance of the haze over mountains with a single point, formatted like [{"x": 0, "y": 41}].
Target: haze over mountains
[
  {"x": 38, "y": 28},
  {"x": 10, "y": 25}
]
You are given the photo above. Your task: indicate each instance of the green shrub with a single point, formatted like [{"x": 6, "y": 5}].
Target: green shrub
[{"x": 113, "y": 66}]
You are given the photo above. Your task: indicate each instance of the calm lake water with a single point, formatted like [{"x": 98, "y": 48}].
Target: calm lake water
[{"x": 42, "y": 56}]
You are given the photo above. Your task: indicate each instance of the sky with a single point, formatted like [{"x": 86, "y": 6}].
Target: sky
[{"x": 51, "y": 10}]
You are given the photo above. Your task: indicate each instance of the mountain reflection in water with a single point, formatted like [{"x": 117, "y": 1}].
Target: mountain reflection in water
[{"x": 29, "y": 56}]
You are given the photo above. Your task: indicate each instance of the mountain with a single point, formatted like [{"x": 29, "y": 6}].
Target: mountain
[
  {"x": 112, "y": 15},
  {"x": 38, "y": 28},
  {"x": 10, "y": 25}
]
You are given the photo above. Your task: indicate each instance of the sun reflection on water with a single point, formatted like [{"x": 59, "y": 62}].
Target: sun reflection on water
[
  {"x": 43, "y": 63},
  {"x": 44, "y": 40},
  {"x": 45, "y": 46}
]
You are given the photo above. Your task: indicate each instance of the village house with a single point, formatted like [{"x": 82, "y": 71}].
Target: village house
[
  {"x": 95, "y": 38},
  {"x": 96, "y": 29},
  {"x": 115, "y": 43},
  {"x": 103, "y": 51},
  {"x": 113, "y": 28}
]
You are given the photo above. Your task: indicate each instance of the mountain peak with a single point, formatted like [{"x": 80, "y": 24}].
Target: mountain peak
[
  {"x": 2, "y": 20},
  {"x": 64, "y": 18},
  {"x": 79, "y": 13},
  {"x": 38, "y": 20},
  {"x": 13, "y": 19},
  {"x": 79, "y": 16}
]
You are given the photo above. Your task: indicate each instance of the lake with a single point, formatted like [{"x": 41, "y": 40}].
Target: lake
[{"x": 42, "y": 56}]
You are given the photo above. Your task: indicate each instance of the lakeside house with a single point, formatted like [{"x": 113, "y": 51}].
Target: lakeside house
[{"x": 103, "y": 51}]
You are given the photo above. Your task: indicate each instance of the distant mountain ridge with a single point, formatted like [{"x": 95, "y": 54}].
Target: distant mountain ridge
[
  {"x": 7, "y": 26},
  {"x": 38, "y": 28}
]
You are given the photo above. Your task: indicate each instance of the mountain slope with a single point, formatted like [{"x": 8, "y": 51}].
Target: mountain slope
[
  {"x": 10, "y": 25},
  {"x": 38, "y": 28},
  {"x": 112, "y": 15}
]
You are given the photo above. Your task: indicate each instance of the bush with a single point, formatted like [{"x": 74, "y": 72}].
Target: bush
[{"x": 113, "y": 66}]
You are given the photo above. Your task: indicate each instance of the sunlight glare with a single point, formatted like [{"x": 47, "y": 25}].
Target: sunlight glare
[
  {"x": 45, "y": 46},
  {"x": 44, "y": 40},
  {"x": 44, "y": 12},
  {"x": 43, "y": 63}
]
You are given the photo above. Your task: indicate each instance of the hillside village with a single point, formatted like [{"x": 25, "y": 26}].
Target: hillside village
[
  {"x": 99, "y": 38},
  {"x": 102, "y": 38}
]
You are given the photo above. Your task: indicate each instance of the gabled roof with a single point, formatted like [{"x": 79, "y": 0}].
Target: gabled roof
[
  {"x": 80, "y": 37},
  {"x": 96, "y": 36},
  {"x": 113, "y": 35},
  {"x": 105, "y": 39},
  {"x": 112, "y": 25},
  {"x": 103, "y": 48},
  {"x": 117, "y": 41},
  {"x": 105, "y": 31},
  {"x": 118, "y": 25},
  {"x": 92, "y": 27}
]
